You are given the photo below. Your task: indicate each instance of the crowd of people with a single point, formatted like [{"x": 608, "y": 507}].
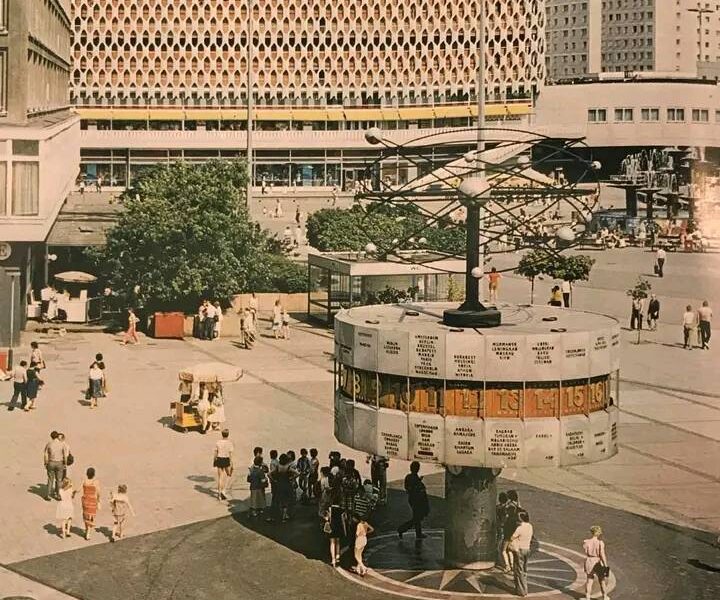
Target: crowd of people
[
  {"x": 57, "y": 458},
  {"x": 696, "y": 323},
  {"x": 208, "y": 322}
]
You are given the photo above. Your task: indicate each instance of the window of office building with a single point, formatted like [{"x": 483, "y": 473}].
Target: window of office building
[
  {"x": 25, "y": 188},
  {"x": 700, "y": 115},
  {"x": 675, "y": 115},
  {"x": 597, "y": 115},
  {"x": 624, "y": 115},
  {"x": 650, "y": 114}
]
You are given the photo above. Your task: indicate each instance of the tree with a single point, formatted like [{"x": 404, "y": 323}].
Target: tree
[
  {"x": 532, "y": 265},
  {"x": 572, "y": 268},
  {"x": 386, "y": 226},
  {"x": 183, "y": 234},
  {"x": 640, "y": 291}
]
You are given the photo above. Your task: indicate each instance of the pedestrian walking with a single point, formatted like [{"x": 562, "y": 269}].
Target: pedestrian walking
[
  {"x": 36, "y": 356},
  {"x": 120, "y": 507},
  {"x": 284, "y": 475},
  {"x": 273, "y": 467},
  {"x": 362, "y": 530},
  {"x": 493, "y": 284},
  {"x": 500, "y": 517},
  {"x": 285, "y": 324},
  {"x": 653, "y": 312},
  {"x": 418, "y": 500},
  {"x": 303, "y": 468},
  {"x": 90, "y": 501},
  {"x": 65, "y": 510},
  {"x": 96, "y": 378},
  {"x": 566, "y": 289},
  {"x": 636, "y": 313},
  {"x": 520, "y": 546},
  {"x": 705, "y": 323},
  {"x": 131, "y": 332},
  {"x": 512, "y": 510},
  {"x": 596, "y": 563},
  {"x": 334, "y": 525},
  {"x": 298, "y": 216},
  {"x": 69, "y": 458},
  {"x": 278, "y": 208},
  {"x": 32, "y": 387},
  {"x": 216, "y": 415},
  {"x": 378, "y": 475},
  {"x": 223, "y": 463},
  {"x": 81, "y": 187},
  {"x": 660, "y": 257},
  {"x": 277, "y": 318},
  {"x": 690, "y": 323},
  {"x": 247, "y": 326},
  {"x": 257, "y": 479},
  {"x": 54, "y": 457},
  {"x": 19, "y": 379}
]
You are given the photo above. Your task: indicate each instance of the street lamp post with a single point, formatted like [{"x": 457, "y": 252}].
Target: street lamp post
[
  {"x": 701, "y": 11},
  {"x": 250, "y": 104}
]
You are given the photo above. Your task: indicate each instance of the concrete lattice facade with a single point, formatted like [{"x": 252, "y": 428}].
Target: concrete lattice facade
[{"x": 195, "y": 52}]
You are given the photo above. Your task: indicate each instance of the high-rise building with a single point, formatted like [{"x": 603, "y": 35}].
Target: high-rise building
[
  {"x": 591, "y": 36},
  {"x": 39, "y": 147}
]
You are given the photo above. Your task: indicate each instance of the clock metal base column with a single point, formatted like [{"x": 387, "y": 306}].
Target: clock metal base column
[{"x": 470, "y": 530}]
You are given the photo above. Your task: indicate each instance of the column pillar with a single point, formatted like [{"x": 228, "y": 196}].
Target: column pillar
[
  {"x": 470, "y": 529},
  {"x": 631, "y": 203}
]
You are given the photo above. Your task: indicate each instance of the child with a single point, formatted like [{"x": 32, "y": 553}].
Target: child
[
  {"x": 362, "y": 530},
  {"x": 303, "y": 468},
  {"x": 285, "y": 324},
  {"x": 314, "y": 474},
  {"x": 258, "y": 482},
  {"x": 65, "y": 509},
  {"x": 120, "y": 507}
]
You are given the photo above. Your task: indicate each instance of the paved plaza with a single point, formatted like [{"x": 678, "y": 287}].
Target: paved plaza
[{"x": 656, "y": 500}]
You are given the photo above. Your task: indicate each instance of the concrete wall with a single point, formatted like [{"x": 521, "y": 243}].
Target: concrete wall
[{"x": 14, "y": 276}]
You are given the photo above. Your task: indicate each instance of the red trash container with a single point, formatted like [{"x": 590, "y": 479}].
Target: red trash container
[{"x": 169, "y": 325}]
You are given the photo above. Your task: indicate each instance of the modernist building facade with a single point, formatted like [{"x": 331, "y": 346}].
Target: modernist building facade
[{"x": 39, "y": 146}]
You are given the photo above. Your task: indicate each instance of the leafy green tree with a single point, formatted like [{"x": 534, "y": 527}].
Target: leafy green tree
[
  {"x": 533, "y": 264},
  {"x": 183, "y": 234},
  {"x": 386, "y": 226},
  {"x": 571, "y": 268}
]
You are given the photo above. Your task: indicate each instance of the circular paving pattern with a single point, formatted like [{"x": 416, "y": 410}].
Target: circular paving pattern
[{"x": 416, "y": 570}]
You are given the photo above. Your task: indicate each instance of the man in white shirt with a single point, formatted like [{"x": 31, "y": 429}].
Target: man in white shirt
[
  {"x": 660, "y": 257},
  {"x": 705, "y": 319},
  {"x": 690, "y": 322},
  {"x": 520, "y": 547},
  {"x": 19, "y": 379},
  {"x": 566, "y": 289}
]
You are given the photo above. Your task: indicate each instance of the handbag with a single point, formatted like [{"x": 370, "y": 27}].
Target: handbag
[
  {"x": 603, "y": 571},
  {"x": 70, "y": 460},
  {"x": 326, "y": 527}
]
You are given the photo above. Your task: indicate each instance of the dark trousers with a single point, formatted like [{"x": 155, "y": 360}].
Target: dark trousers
[
  {"x": 520, "y": 571},
  {"x": 636, "y": 319},
  {"x": 687, "y": 332},
  {"x": 209, "y": 324},
  {"x": 566, "y": 299},
  {"x": 19, "y": 390},
  {"x": 378, "y": 474},
  {"x": 705, "y": 332},
  {"x": 416, "y": 522},
  {"x": 660, "y": 265}
]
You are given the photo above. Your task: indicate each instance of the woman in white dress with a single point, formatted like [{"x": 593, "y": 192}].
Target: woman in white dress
[
  {"x": 203, "y": 407},
  {"x": 216, "y": 414},
  {"x": 65, "y": 510},
  {"x": 595, "y": 562},
  {"x": 277, "y": 318}
]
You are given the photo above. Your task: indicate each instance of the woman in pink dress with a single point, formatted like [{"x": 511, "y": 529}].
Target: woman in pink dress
[
  {"x": 131, "y": 333},
  {"x": 595, "y": 562}
]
